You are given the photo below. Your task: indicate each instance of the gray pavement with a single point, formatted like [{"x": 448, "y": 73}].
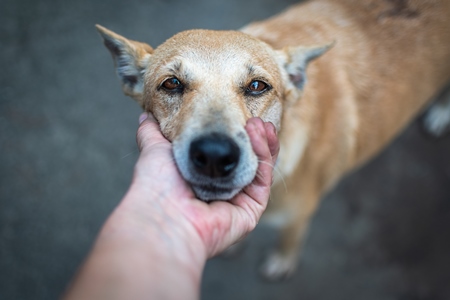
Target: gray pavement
[{"x": 67, "y": 150}]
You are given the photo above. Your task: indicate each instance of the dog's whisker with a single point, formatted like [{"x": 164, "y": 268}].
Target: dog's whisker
[
  {"x": 128, "y": 154},
  {"x": 266, "y": 163},
  {"x": 259, "y": 175},
  {"x": 170, "y": 161},
  {"x": 278, "y": 172}
]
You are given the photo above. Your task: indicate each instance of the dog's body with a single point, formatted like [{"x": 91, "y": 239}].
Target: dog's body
[
  {"x": 387, "y": 63},
  {"x": 388, "y": 59}
]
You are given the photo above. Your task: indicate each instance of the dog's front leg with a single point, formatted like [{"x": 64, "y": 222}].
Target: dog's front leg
[{"x": 297, "y": 202}]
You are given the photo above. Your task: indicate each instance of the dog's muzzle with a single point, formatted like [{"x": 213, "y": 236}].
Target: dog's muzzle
[
  {"x": 217, "y": 165},
  {"x": 214, "y": 155}
]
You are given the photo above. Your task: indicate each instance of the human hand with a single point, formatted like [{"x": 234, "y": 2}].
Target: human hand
[
  {"x": 160, "y": 235},
  {"x": 169, "y": 198}
]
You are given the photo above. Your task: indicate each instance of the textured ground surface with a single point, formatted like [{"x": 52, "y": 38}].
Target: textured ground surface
[{"x": 67, "y": 150}]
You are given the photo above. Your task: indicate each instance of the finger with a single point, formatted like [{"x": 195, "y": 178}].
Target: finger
[
  {"x": 259, "y": 138},
  {"x": 272, "y": 139},
  {"x": 143, "y": 117},
  {"x": 149, "y": 133},
  {"x": 255, "y": 196},
  {"x": 265, "y": 144}
]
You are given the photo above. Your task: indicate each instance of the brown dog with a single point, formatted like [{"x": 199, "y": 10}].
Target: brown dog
[{"x": 380, "y": 62}]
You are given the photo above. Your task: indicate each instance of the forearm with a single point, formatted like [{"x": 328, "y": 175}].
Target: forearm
[{"x": 140, "y": 256}]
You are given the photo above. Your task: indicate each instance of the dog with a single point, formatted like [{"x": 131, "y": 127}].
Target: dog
[{"x": 339, "y": 79}]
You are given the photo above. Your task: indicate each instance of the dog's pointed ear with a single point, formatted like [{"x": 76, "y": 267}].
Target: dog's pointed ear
[
  {"x": 296, "y": 60},
  {"x": 130, "y": 59}
]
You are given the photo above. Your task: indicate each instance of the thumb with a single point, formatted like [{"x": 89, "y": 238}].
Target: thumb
[{"x": 149, "y": 133}]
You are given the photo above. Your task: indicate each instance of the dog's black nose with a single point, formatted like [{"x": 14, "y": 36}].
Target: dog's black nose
[{"x": 214, "y": 155}]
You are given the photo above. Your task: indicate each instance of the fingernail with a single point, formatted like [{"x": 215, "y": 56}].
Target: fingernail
[
  {"x": 143, "y": 117},
  {"x": 250, "y": 125}
]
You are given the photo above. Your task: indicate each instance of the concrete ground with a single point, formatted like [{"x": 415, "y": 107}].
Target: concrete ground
[{"x": 67, "y": 149}]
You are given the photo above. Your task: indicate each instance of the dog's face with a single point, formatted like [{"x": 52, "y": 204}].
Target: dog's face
[{"x": 202, "y": 86}]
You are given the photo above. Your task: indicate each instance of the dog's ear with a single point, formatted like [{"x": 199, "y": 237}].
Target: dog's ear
[
  {"x": 130, "y": 59},
  {"x": 296, "y": 60}
]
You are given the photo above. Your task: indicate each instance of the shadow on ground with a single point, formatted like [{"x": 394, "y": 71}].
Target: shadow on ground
[{"x": 67, "y": 149}]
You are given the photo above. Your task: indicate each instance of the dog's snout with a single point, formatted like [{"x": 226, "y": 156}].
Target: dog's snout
[{"x": 214, "y": 155}]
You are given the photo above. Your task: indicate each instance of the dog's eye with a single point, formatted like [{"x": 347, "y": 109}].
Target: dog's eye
[
  {"x": 257, "y": 87},
  {"x": 172, "y": 85}
]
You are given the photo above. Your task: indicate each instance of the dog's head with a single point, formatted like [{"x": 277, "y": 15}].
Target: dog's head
[{"x": 202, "y": 86}]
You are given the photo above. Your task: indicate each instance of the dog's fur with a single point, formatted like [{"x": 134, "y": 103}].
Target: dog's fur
[{"x": 372, "y": 66}]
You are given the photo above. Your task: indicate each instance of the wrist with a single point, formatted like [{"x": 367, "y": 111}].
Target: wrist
[{"x": 145, "y": 217}]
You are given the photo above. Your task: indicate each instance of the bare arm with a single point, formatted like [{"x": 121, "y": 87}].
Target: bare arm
[{"x": 156, "y": 242}]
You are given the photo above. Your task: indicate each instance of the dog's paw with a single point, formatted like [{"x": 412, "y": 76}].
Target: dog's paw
[{"x": 278, "y": 266}]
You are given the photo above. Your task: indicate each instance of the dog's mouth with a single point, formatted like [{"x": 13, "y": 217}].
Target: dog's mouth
[
  {"x": 212, "y": 189},
  {"x": 210, "y": 192}
]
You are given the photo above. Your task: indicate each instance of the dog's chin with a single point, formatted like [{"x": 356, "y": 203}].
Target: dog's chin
[{"x": 211, "y": 193}]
